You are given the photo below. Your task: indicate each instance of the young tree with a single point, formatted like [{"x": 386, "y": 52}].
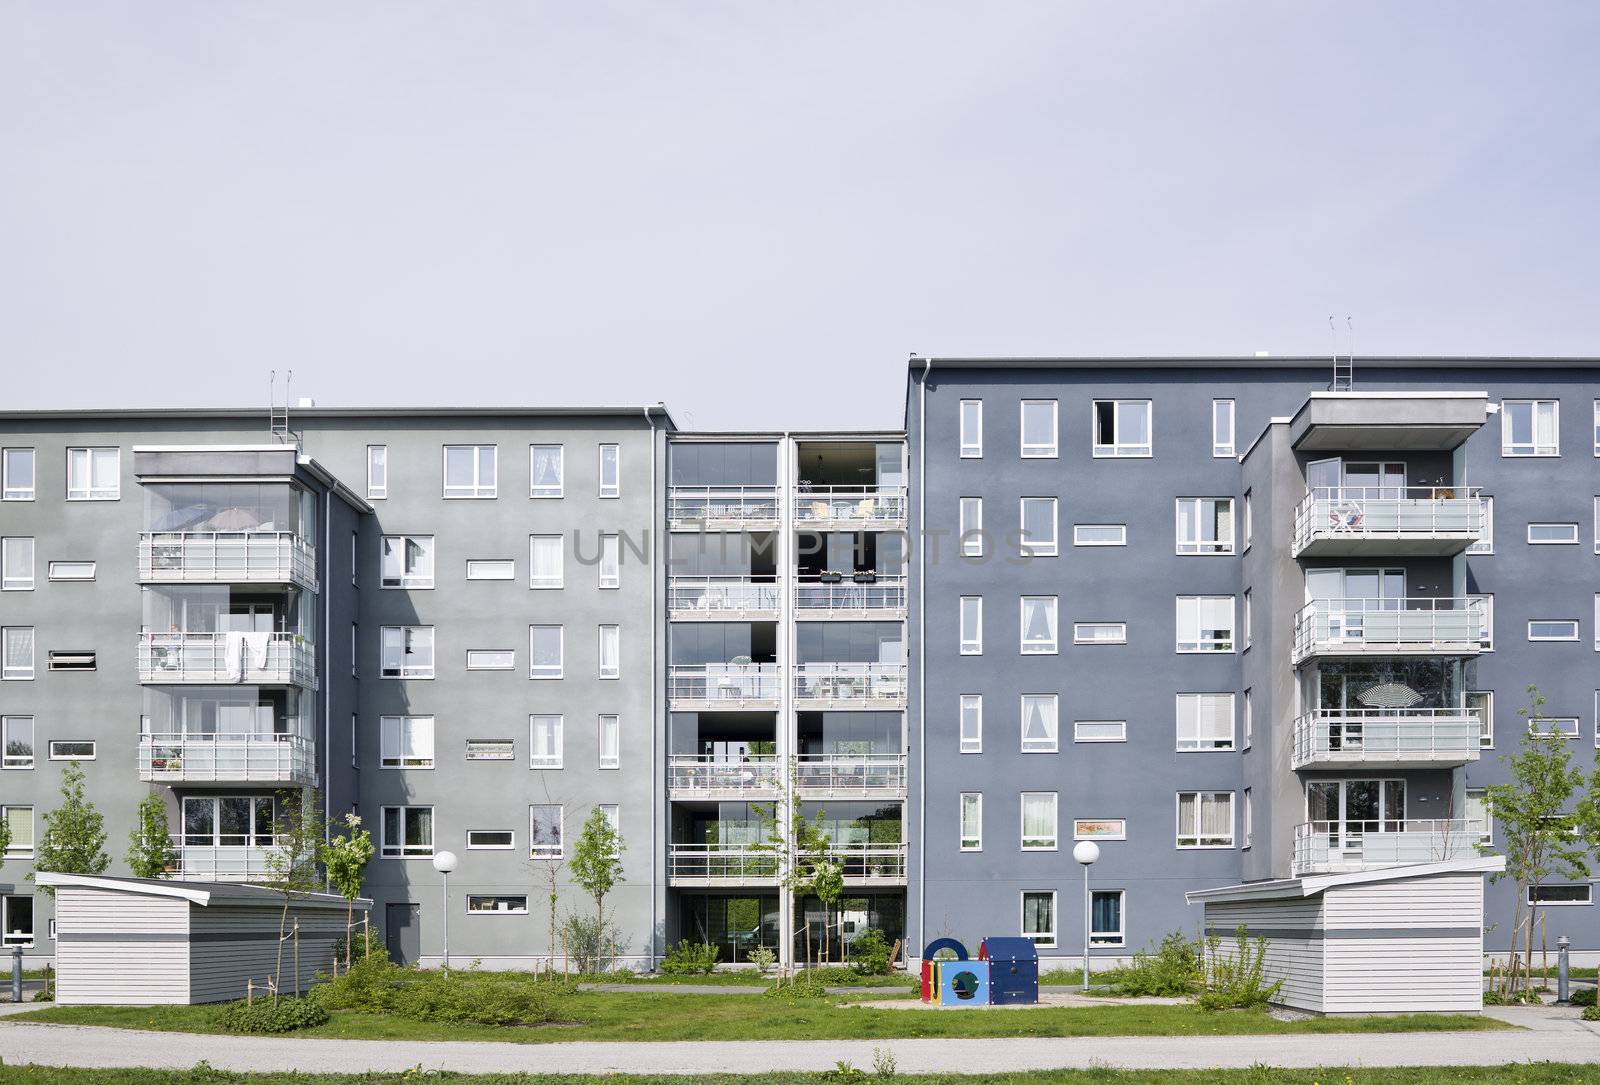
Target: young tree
[
  {"x": 597, "y": 863},
  {"x": 292, "y": 862},
  {"x": 5, "y": 838},
  {"x": 150, "y": 851},
  {"x": 804, "y": 857},
  {"x": 346, "y": 856},
  {"x": 74, "y": 839}
]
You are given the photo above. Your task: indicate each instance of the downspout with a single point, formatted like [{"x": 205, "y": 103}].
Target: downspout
[
  {"x": 327, "y": 652},
  {"x": 922, "y": 653},
  {"x": 655, "y": 677}
]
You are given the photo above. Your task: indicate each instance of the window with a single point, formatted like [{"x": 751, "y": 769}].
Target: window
[
  {"x": 545, "y": 471},
  {"x": 1205, "y": 525},
  {"x": 1597, "y": 621},
  {"x": 491, "y": 659},
  {"x": 16, "y": 742},
  {"x": 969, "y": 526},
  {"x": 406, "y": 561},
  {"x": 971, "y": 429},
  {"x": 1100, "y": 731},
  {"x": 16, "y": 468},
  {"x": 1038, "y": 821},
  {"x": 1038, "y": 615},
  {"x": 544, "y": 741},
  {"x": 16, "y": 652},
  {"x": 611, "y": 561},
  {"x": 16, "y": 563},
  {"x": 1122, "y": 427},
  {"x": 1100, "y": 535},
  {"x": 19, "y": 819},
  {"x": 971, "y": 723},
  {"x": 407, "y": 832},
  {"x": 610, "y": 471},
  {"x": 355, "y": 558},
  {"x": 485, "y": 904},
  {"x": 1565, "y": 726},
  {"x": 1205, "y": 623},
  {"x": 1221, "y": 430},
  {"x": 1247, "y": 817},
  {"x": 94, "y": 474},
  {"x": 71, "y": 570},
  {"x": 1105, "y": 917},
  {"x": 1099, "y": 633},
  {"x": 1477, "y": 813},
  {"x": 546, "y": 561},
  {"x": 544, "y": 832},
  {"x": 1038, "y": 518},
  {"x": 1561, "y": 893},
  {"x": 469, "y": 470},
  {"x": 1038, "y": 429},
  {"x": 491, "y": 749},
  {"x": 545, "y": 643},
  {"x": 355, "y": 639},
  {"x": 1205, "y": 819},
  {"x": 1529, "y": 427},
  {"x": 1485, "y": 542},
  {"x": 355, "y": 742},
  {"x": 407, "y": 742},
  {"x": 72, "y": 660},
  {"x": 1205, "y": 721},
  {"x": 1597, "y": 427},
  {"x": 1039, "y": 723},
  {"x": 610, "y": 742},
  {"x": 1552, "y": 534},
  {"x": 1552, "y": 629},
  {"x": 407, "y": 651},
  {"x": 611, "y": 651},
  {"x": 972, "y": 625},
  {"x": 377, "y": 472},
  {"x": 1249, "y": 521},
  {"x": 16, "y": 921},
  {"x": 971, "y": 821},
  {"x": 1039, "y": 918},
  {"x": 1249, "y": 720},
  {"x": 1245, "y": 628},
  {"x": 491, "y": 839},
  {"x": 1482, "y": 703},
  {"x": 72, "y": 749},
  {"x": 491, "y": 569},
  {"x": 1486, "y": 627}
]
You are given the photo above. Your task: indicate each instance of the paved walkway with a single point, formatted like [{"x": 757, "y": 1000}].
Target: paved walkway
[{"x": 1552, "y": 1035}]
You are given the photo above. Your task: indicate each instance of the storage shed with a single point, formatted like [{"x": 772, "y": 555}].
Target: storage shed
[
  {"x": 1402, "y": 939},
  {"x": 139, "y": 941}
]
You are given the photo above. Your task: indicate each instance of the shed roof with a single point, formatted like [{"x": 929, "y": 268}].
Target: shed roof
[
  {"x": 205, "y": 894},
  {"x": 1294, "y": 888}
]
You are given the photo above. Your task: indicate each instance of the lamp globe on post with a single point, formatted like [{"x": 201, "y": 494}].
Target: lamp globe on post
[
  {"x": 444, "y": 862},
  {"x": 1086, "y": 852}
]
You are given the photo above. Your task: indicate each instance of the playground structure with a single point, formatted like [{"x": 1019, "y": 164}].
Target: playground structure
[{"x": 1006, "y": 973}]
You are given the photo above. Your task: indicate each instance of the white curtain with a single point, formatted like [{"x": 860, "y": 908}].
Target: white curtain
[
  {"x": 19, "y": 648},
  {"x": 1039, "y": 620},
  {"x": 1038, "y": 721},
  {"x": 547, "y": 468},
  {"x": 547, "y": 559},
  {"x": 418, "y": 735},
  {"x": 1038, "y": 817},
  {"x": 1216, "y": 815}
]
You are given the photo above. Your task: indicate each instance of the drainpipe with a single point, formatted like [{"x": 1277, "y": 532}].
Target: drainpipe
[
  {"x": 922, "y": 654},
  {"x": 327, "y": 651},
  {"x": 654, "y": 737}
]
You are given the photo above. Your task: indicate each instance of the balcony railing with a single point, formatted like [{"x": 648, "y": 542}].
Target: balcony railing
[
  {"x": 226, "y": 557},
  {"x": 1333, "y": 847},
  {"x": 850, "y": 504},
  {"x": 864, "y": 775},
  {"x": 241, "y": 758},
  {"x": 723, "y": 685},
  {"x": 1378, "y": 736},
  {"x": 851, "y": 684},
  {"x": 715, "y": 777},
  {"x": 1409, "y": 626},
  {"x": 224, "y": 658},
  {"x": 690, "y": 505},
  {"x": 1413, "y": 519},
  {"x": 228, "y": 863},
  {"x": 850, "y": 597},
  {"x": 690, "y": 597},
  {"x": 750, "y": 864}
]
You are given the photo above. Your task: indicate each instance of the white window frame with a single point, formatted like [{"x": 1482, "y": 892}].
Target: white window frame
[
  {"x": 1534, "y": 449},
  {"x": 1079, "y": 736},
  {"x": 971, "y": 443},
  {"x": 1200, "y": 802},
  {"x": 1244, "y": 619},
  {"x": 1197, "y": 644},
  {"x": 1566, "y": 529},
  {"x": 1487, "y": 836},
  {"x": 555, "y": 760},
  {"x": 609, "y": 740},
  {"x": 1022, "y": 822},
  {"x": 1587, "y": 887},
  {"x": 15, "y": 850},
  {"x": 1106, "y": 939},
  {"x": 1565, "y": 726},
  {"x": 1198, "y": 742},
  {"x": 477, "y": 489},
  {"x": 407, "y": 671},
  {"x": 1485, "y": 543},
  {"x": 1247, "y": 818},
  {"x": 491, "y": 568},
  {"x": 548, "y": 491},
  {"x": 1546, "y": 635},
  {"x": 1220, "y": 408},
  {"x": 974, "y": 646},
  {"x": 402, "y": 548},
  {"x": 397, "y": 733},
  {"x": 1597, "y": 428},
  {"x": 1079, "y": 638},
  {"x": 1119, "y": 449},
  {"x": 23, "y": 545},
  {"x": 17, "y": 761},
  {"x": 612, "y": 668},
  {"x": 523, "y": 897},
  {"x": 610, "y": 561},
  {"x": 61, "y": 571},
  {"x": 491, "y": 659},
  {"x": 1078, "y": 833},
  {"x": 1079, "y": 529},
  {"x": 1036, "y": 450},
  {"x": 1486, "y": 723},
  {"x": 1198, "y": 547},
  {"x": 969, "y": 526},
  {"x": 377, "y": 472},
  {"x": 7, "y": 939},
  {"x": 93, "y": 754},
  {"x": 560, "y": 667},
  {"x": 10, "y": 486},
  {"x": 546, "y": 583},
  {"x": 471, "y": 846},
  {"x": 1041, "y": 647},
  {"x": 974, "y": 744},
  {"x": 400, "y": 849},
  {"x": 1247, "y": 722},
  {"x": 483, "y": 744},
  {"x": 614, "y": 487},
  {"x": 544, "y": 851},
  {"x": 1040, "y": 548},
  {"x": 1488, "y": 619},
  {"x": 1050, "y": 744},
  {"x": 1041, "y": 939},
  {"x": 94, "y": 492},
  {"x": 23, "y": 673},
  {"x": 1247, "y": 525},
  {"x": 969, "y": 841}
]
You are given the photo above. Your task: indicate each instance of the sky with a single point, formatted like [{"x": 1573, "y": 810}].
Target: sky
[{"x": 755, "y": 211}]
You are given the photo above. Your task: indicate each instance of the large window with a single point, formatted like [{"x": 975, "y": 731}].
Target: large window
[
  {"x": 1205, "y": 623},
  {"x": 545, "y": 832},
  {"x": 1039, "y": 627},
  {"x": 610, "y": 471},
  {"x": 545, "y": 471},
  {"x": 611, "y": 651},
  {"x": 406, "y": 742},
  {"x": 971, "y": 821},
  {"x": 1038, "y": 821},
  {"x": 969, "y": 526},
  {"x": 16, "y": 563},
  {"x": 1038, "y": 517},
  {"x": 611, "y": 561},
  {"x": 16, "y": 652},
  {"x": 1221, "y": 429},
  {"x": 1105, "y": 917},
  {"x": 407, "y": 651},
  {"x": 971, "y": 429},
  {"x": 971, "y": 723},
  {"x": 610, "y": 742},
  {"x": 1039, "y": 918},
  {"x": 406, "y": 561},
  {"x": 377, "y": 472},
  {"x": 972, "y": 625},
  {"x": 544, "y": 742},
  {"x": 407, "y": 832},
  {"x": 546, "y": 562},
  {"x": 545, "y": 643},
  {"x": 469, "y": 470},
  {"x": 1122, "y": 427},
  {"x": 19, "y": 819},
  {"x": 229, "y": 821},
  {"x": 1039, "y": 719},
  {"x": 16, "y": 474},
  {"x": 1038, "y": 429},
  {"x": 1205, "y": 721},
  {"x": 16, "y": 742},
  {"x": 1205, "y": 525},
  {"x": 94, "y": 474},
  {"x": 1205, "y": 819},
  {"x": 1530, "y": 427}
]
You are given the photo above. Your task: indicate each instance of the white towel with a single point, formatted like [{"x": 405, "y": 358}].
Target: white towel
[
  {"x": 233, "y": 656},
  {"x": 259, "y": 644}
]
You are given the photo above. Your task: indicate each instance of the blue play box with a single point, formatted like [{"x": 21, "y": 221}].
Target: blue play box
[{"x": 963, "y": 983}]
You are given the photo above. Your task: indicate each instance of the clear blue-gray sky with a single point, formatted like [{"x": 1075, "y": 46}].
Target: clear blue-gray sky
[{"x": 755, "y": 210}]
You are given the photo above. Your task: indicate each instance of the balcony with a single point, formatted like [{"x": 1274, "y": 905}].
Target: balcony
[
  {"x": 722, "y": 507},
  {"x": 226, "y": 863},
  {"x": 732, "y": 687},
  {"x": 714, "y": 865},
  {"x": 1419, "y": 625},
  {"x": 850, "y": 685},
  {"x": 868, "y": 596},
  {"x": 690, "y": 776},
  {"x": 1334, "y": 847},
  {"x": 262, "y": 659},
  {"x": 1413, "y": 738},
  {"x": 1388, "y": 521},
  {"x": 228, "y": 759},
  {"x": 880, "y": 507},
  {"x": 839, "y": 776},
  {"x": 721, "y": 598},
  {"x": 226, "y": 557}
]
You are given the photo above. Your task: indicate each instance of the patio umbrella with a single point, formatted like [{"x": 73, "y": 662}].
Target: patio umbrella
[
  {"x": 234, "y": 519},
  {"x": 1389, "y": 695}
]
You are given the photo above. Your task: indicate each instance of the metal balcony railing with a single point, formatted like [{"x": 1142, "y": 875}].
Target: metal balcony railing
[
  {"x": 695, "y": 775},
  {"x": 228, "y": 758},
  {"x": 850, "y": 504},
  {"x": 851, "y": 683},
  {"x": 688, "y": 505},
  {"x": 751, "y": 864},
  {"x": 850, "y": 596},
  {"x": 226, "y": 557},
  {"x": 729, "y": 685},
  {"x": 210, "y": 862},
  {"x": 720, "y": 596},
  {"x": 865, "y": 775},
  {"x": 1378, "y": 736},
  {"x": 1402, "y": 626},
  {"x": 225, "y": 658},
  {"x": 1389, "y": 513},
  {"x": 1331, "y": 847}
]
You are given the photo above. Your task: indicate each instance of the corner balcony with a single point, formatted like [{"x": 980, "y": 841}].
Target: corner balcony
[
  {"x": 849, "y": 685},
  {"x": 722, "y": 508},
  {"x": 863, "y": 597},
  {"x": 730, "y": 687},
  {"x": 261, "y": 659},
  {"x": 226, "y": 863},
  {"x": 226, "y": 557},
  {"x": 1421, "y": 625},
  {"x": 733, "y": 865},
  {"x": 228, "y": 759},
  {"x": 1335, "y": 847},
  {"x": 691, "y": 776},
  {"x": 721, "y": 599},
  {"x": 1414, "y": 738},
  {"x": 870, "y": 507},
  {"x": 1389, "y": 521},
  {"x": 840, "y": 776}
]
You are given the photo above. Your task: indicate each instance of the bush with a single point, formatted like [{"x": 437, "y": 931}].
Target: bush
[
  {"x": 465, "y": 996},
  {"x": 1582, "y": 996},
  {"x": 1591, "y": 1013},
  {"x": 869, "y": 953},
  {"x": 1235, "y": 981},
  {"x": 805, "y": 987},
  {"x": 363, "y": 944},
  {"x": 1174, "y": 968},
  {"x": 590, "y": 943},
  {"x": 273, "y": 1015},
  {"x": 763, "y": 958},
  {"x": 692, "y": 959}
]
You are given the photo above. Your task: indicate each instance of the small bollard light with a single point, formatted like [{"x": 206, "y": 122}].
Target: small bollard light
[
  {"x": 16, "y": 973},
  {"x": 1563, "y": 991}
]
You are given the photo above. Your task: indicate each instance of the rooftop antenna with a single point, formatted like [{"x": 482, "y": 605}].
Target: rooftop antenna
[{"x": 1343, "y": 371}]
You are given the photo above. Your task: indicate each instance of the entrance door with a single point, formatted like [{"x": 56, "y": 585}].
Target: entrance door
[{"x": 402, "y": 932}]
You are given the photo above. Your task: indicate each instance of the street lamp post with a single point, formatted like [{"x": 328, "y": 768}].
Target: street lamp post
[
  {"x": 444, "y": 862},
  {"x": 1086, "y": 853}
]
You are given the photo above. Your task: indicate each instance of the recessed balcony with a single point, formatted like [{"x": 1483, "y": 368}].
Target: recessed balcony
[
  {"x": 1338, "y": 847},
  {"x": 262, "y": 659},
  {"x": 1413, "y": 738},
  {"x": 849, "y": 685},
  {"x": 733, "y": 687},
  {"x": 721, "y": 599},
  {"x": 868, "y": 507},
  {"x": 228, "y": 759},
  {"x": 1418, "y": 625},
  {"x": 732, "y": 865},
  {"x": 1401, "y": 521},
  {"x": 693, "y": 776},
  {"x": 857, "y": 597},
  {"x": 223, "y": 863},
  {"x": 720, "y": 508},
  {"x": 226, "y": 557},
  {"x": 846, "y": 776}
]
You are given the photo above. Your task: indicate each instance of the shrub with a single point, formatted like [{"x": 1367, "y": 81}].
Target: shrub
[
  {"x": 805, "y": 987},
  {"x": 1172, "y": 969},
  {"x": 589, "y": 942},
  {"x": 763, "y": 958},
  {"x": 869, "y": 953},
  {"x": 1582, "y": 996},
  {"x": 1591, "y": 1013},
  {"x": 1235, "y": 981},
  {"x": 273, "y": 1015},
  {"x": 363, "y": 944},
  {"x": 375, "y": 985},
  {"x": 692, "y": 959}
]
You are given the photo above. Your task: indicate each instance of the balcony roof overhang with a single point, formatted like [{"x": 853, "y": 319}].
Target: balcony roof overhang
[
  {"x": 1313, "y": 884},
  {"x": 1384, "y": 421}
]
